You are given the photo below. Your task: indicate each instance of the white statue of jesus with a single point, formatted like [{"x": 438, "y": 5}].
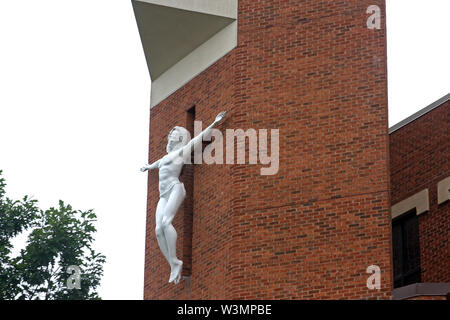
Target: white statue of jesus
[{"x": 172, "y": 192}]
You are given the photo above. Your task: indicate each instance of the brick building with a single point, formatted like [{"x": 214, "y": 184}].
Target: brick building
[
  {"x": 316, "y": 71},
  {"x": 420, "y": 190}
]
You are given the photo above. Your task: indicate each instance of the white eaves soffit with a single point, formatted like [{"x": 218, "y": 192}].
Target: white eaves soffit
[{"x": 182, "y": 38}]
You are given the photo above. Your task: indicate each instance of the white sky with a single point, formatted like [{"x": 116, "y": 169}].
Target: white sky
[{"x": 74, "y": 98}]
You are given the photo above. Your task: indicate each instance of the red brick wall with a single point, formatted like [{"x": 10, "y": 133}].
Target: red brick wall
[
  {"x": 314, "y": 71},
  {"x": 419, "y": 155},
  {"x": 210, "y": 93}
]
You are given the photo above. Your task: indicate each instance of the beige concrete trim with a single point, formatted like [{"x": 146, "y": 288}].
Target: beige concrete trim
[
  {"x": 194, "y": 63},
  {"x": 443, "y": 190},
  {"x": 419, "y": 201},
  {"x": 181, "y": 38},
  {"x": 223, "y": 8}
]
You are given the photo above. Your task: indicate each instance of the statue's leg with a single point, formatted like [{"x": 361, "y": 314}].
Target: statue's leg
[
  {"x": 159, "y": 230},
  {"x": 176, "y": 197}
]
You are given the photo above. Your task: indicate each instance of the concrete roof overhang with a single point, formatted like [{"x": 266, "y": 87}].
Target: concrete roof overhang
[{"x": 181, "y": 38}]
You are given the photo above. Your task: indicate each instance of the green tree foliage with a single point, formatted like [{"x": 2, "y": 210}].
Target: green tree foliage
[{"x": 59, "y": 238}]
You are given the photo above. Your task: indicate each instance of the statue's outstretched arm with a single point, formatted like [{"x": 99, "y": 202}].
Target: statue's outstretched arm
[
  {"x": 152, "y": 166},
  {"x": 187, "y": 149}
]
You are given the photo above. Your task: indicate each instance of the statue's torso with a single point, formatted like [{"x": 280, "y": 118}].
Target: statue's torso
[{"x": 169, "y": 172}]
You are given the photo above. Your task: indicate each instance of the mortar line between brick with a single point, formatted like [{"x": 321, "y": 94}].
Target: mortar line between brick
[{"x": 321, "y": 200}]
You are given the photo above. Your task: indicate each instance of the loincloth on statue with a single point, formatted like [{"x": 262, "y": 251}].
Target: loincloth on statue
[{"x": 166, "y": 189}]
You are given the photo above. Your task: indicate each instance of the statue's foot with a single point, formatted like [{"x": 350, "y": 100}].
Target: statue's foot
[
  {"x": 175, "y": 274},
  {"x": 178, "y": 277}
]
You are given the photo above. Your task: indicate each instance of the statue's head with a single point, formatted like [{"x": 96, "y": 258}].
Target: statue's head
[{"x": 178, "y": 138}]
